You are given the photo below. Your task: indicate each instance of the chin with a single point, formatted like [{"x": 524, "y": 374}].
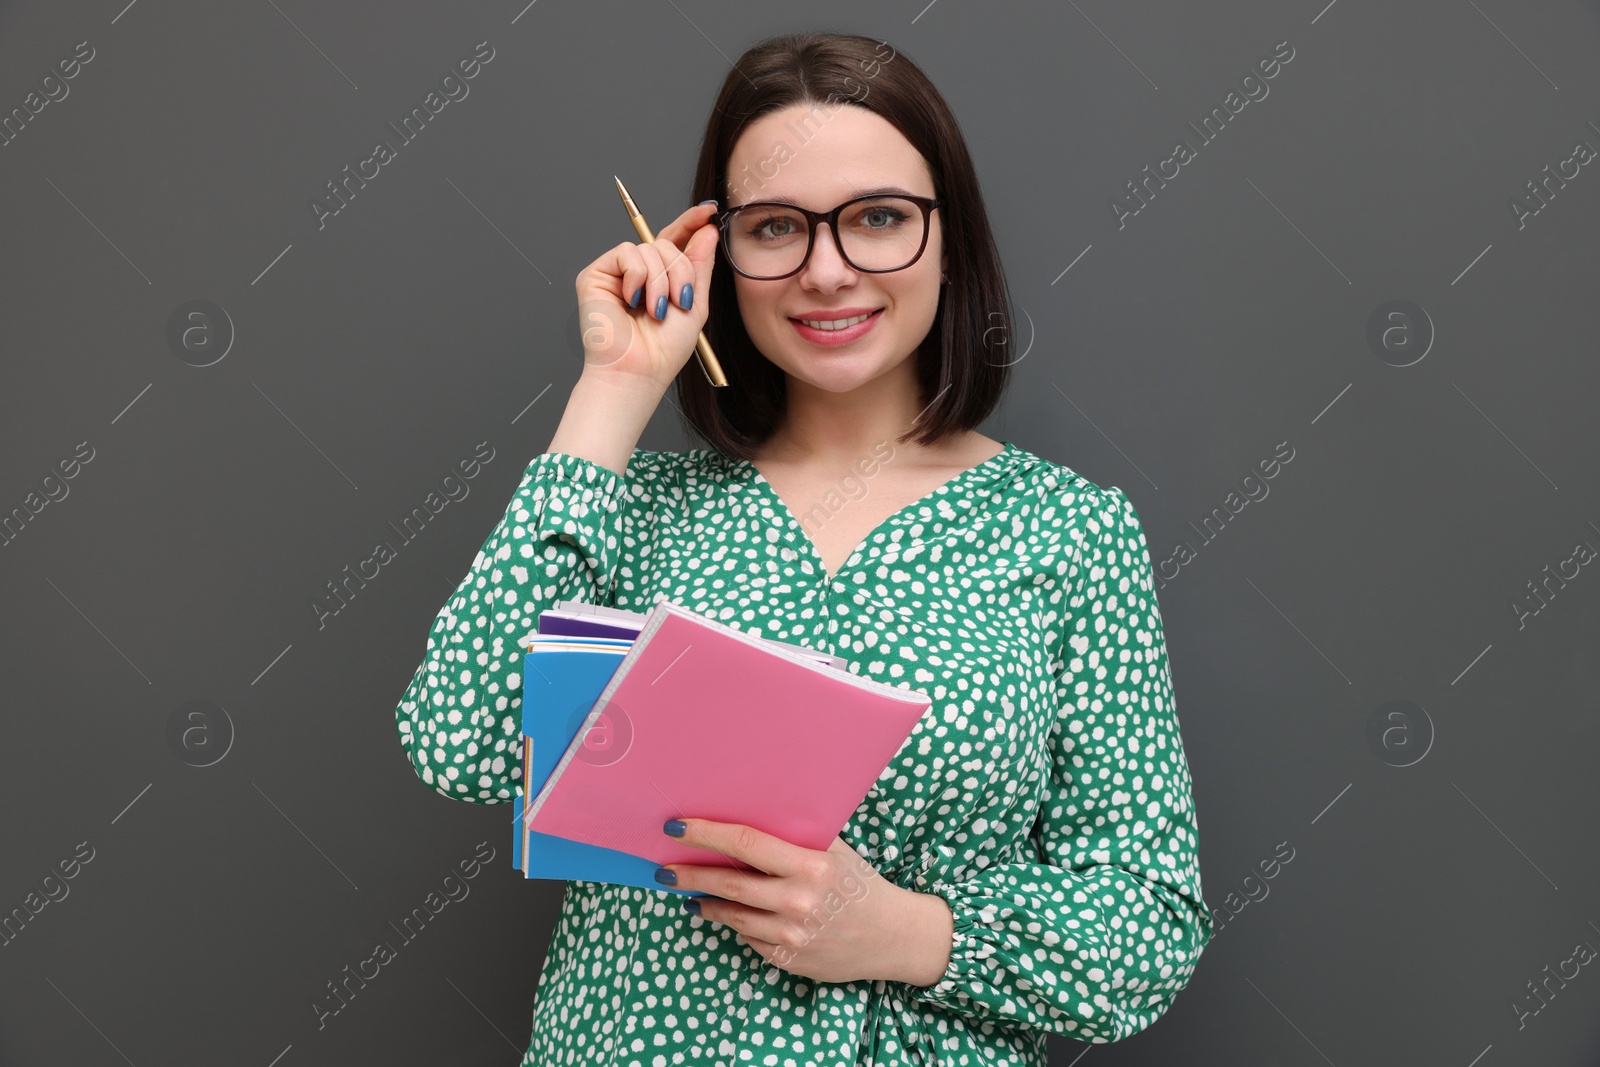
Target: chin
[{"x": 834, "y": 372}]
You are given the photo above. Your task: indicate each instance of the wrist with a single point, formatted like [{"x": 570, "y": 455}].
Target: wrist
[
  {"x": 609, "y": 382},
  {"x": 604, "y": 417},
  {"x": 923, "y": 940}
]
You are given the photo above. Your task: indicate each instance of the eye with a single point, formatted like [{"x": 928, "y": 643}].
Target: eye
[
  {"x": 756, "y": 228},
  {"x": 770, "y": 224},
  {"x": 891, "y": 217}
]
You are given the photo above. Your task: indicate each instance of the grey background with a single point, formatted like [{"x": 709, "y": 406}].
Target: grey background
[{"x": 436, "y": 311}]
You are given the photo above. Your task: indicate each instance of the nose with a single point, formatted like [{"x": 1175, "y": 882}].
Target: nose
[{"x": 826, "y": 268}]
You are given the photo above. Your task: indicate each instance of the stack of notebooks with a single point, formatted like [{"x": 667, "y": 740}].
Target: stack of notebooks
[{"x": 630, "y": 719}]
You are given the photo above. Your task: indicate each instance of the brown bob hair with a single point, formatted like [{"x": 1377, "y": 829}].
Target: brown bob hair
[{"x": 959, "y": 382}]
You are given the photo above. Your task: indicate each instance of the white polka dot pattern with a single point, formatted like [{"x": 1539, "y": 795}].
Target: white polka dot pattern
[{"x": 1044, "y": 795}]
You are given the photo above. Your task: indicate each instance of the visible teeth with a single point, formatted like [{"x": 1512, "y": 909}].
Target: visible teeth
[{"x": 838, "y": 324}]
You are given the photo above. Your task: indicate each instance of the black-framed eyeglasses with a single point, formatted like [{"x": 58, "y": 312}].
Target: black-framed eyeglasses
[{"x": 876, "y": 234}]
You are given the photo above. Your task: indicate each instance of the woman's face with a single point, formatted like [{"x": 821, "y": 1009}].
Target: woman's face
[{"x": 819, "y": 159}]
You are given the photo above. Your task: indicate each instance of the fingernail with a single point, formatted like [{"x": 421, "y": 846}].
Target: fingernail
[
  {"x": 666, "y": 876},
  {"x": 636, "y": 297},
  {"x": 675, "y": 827},
  {"x": 686, "y": 298},
  {"x": 661, "y": 306},
  {"x": 691, "y": 905},
  {"x": 703, "y": 203}
]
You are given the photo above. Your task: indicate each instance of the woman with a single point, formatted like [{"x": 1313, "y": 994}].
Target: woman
[{"x": 1027, "y": 863}]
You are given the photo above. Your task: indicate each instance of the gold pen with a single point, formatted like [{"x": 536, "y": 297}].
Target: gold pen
[{"x": 702, "y": 347}]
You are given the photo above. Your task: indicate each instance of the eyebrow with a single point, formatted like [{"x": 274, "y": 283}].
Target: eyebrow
[{"x": 878, "y": 191}]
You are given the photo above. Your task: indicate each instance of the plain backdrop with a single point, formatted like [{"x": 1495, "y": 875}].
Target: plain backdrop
[{"x": 1385, "y": 655}]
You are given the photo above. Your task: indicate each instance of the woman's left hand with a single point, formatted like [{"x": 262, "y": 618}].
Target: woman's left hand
[{"x": 825, "y": 915}]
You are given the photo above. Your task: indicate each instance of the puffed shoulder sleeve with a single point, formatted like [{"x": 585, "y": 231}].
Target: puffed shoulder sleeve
[
  {"x": 1095, "y": 936},
  {"x": 570, "y": 526}
]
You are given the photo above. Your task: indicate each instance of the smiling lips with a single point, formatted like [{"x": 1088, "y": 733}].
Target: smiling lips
[
  {"x": 837, "y": 326},
  {"x": 834, "y": 318}
]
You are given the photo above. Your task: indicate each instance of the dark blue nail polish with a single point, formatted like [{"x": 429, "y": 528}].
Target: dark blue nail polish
[
  {"x": 661, "y": 306},
  {"x": 637, "y": 297},
  {"x": 666, "y": 876},
  {"x": 691, "y": 905},
  {"x": 686, "y": 298},
  {"x": 675, "y": 827}
]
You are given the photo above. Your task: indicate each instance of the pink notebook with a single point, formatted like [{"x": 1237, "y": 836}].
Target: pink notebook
[{"x": 704, "y": 721}]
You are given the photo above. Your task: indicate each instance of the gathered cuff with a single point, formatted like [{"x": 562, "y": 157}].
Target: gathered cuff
[
  {"x": 555, "y": 469},
  {"x": 969, "y": 952}
]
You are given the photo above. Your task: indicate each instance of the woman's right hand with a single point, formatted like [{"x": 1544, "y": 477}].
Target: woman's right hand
[{"x": 620, "y": 339}]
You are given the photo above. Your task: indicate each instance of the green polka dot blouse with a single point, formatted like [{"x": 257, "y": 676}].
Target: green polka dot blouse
[{"x": 1044, "y": 795}]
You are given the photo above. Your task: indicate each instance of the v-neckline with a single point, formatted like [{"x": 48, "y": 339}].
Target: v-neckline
[{"x": 797, "y": 532}]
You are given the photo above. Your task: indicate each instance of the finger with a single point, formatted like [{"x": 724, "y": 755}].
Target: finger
[
  {"x": 680, "y": 273},
  {"x": 753, "y": 888},
  {"x": 767, "y": 950},
  {"x": 751, "y": 922},
  {"x": 737, "y": 841},
  {"x": 680, "y": 229},
  {"x": 623, "y": 268},
  {"x": 655, "y": 282},
  {"x": 701, "y": 251},
  {"x": 635, "y": 277}
]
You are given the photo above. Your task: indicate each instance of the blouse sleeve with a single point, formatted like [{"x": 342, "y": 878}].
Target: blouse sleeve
[
  {"x": 561, "y": 538},
  {"x": 1095, "y": 939}
]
